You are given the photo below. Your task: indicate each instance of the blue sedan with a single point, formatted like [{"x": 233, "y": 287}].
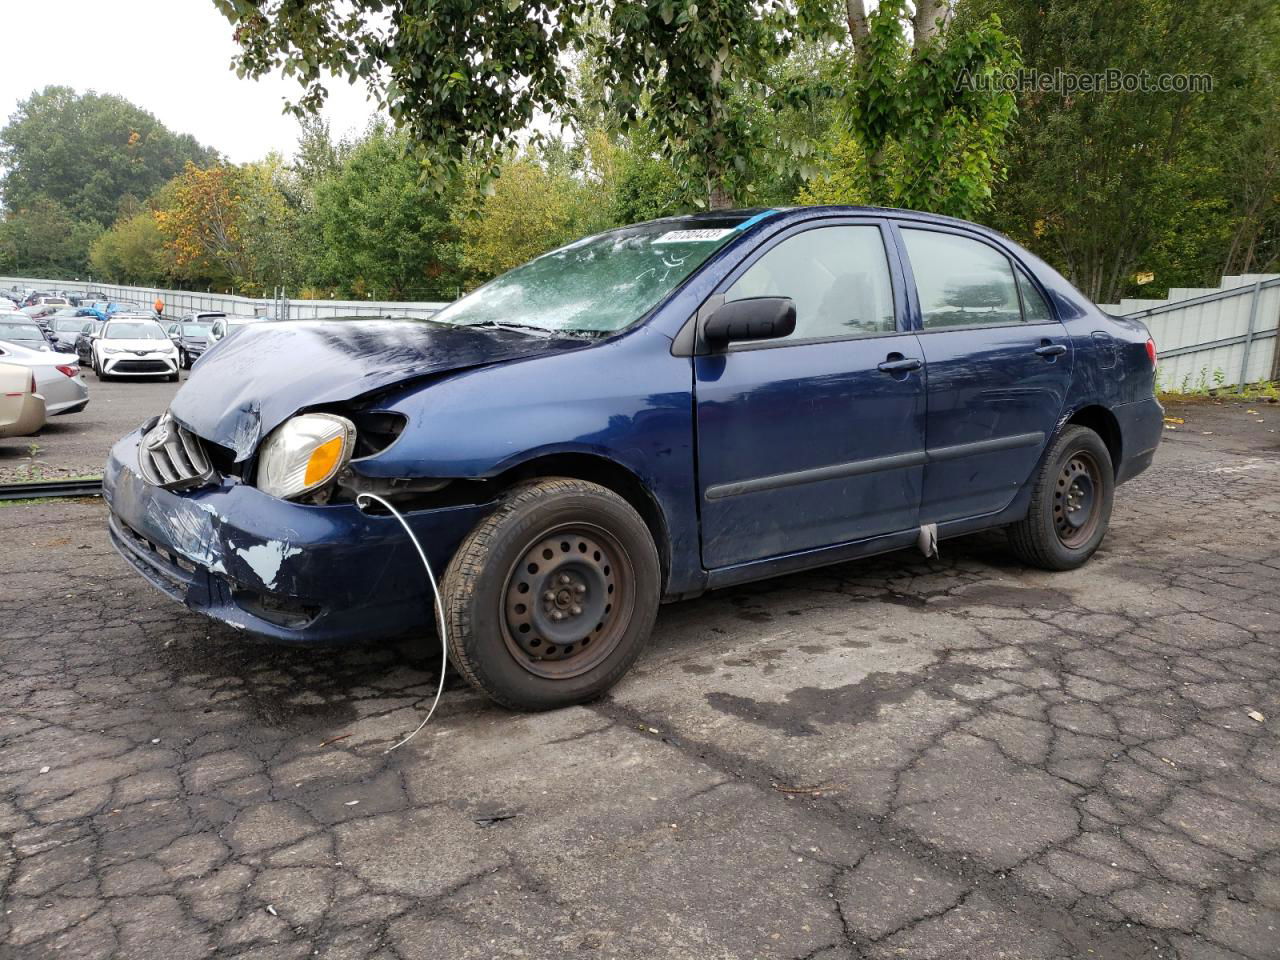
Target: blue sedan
[{"x": 635, "y": 418}]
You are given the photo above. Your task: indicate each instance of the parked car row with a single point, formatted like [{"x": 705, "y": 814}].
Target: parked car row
[
  {"x": 52, "y": 337},
  {"x": 30, "y": 297}
]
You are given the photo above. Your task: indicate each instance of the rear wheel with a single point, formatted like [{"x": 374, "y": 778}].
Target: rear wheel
[
  {"x": 1070, "y": 504},
  {"x": 551, "y": 598}
]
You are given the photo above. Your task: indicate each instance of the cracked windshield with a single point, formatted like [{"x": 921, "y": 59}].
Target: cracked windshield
[{"x": 600, "y": 284}]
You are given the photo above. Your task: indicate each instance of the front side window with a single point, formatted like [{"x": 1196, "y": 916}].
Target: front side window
[
  {"x": 961, "y": 282},
  {"x": 838, "y": 277}
]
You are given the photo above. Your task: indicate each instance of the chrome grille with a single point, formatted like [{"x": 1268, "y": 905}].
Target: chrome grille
[{"x": 174, "y": 458}]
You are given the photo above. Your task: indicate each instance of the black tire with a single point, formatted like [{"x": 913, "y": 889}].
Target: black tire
[
  {"x": 98, "y": 371},
  {"x": 173, "y": 377},
  {"x": 1070, "y": 503},
  {"x": 594, "y": 598}
]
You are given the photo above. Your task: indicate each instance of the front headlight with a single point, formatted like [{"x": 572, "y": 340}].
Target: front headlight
[
  {"x": 304, "y": 453},
  {"x": 113, "y": 350}
]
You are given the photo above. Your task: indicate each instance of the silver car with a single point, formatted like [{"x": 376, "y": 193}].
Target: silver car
[{"x": 58, "y": 377}]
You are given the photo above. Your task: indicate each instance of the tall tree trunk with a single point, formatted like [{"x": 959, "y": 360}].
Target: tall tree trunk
[
  {"x": 856, "y": 14},
  {"x": 926, "y": 21},
  {"x": 719, "y": 197}
]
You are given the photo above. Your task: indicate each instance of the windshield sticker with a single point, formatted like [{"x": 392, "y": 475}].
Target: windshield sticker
[{"x": 692, "y": 236}]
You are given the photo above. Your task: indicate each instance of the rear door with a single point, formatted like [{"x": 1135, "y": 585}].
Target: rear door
[
  {"x": 998, "y": 365},
  {"x": 815, "y": 439}
]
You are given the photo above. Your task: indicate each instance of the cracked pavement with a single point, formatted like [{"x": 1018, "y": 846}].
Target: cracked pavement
[{"x": 890, "y": 758}]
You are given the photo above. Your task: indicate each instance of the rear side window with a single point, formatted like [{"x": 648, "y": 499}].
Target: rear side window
[
  {"x": 1033, "y": 306},
  {"x": 961, "y": 282},
  {"x": 837, "y": 276}
]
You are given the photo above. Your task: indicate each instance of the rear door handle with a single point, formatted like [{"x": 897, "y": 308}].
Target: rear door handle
[
  {"x": 1051, "y": 350},
  {"x": 901, "y": 365}
]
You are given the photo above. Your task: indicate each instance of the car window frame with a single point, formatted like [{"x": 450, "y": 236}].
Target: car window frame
[
  {"x": 717, "y": 297},
  {"x": 1015, "y": 265}
]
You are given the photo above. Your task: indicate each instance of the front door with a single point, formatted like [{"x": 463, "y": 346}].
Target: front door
[
  {"x": 998, "y": 366},
  {"x": 816, "y": 439}
]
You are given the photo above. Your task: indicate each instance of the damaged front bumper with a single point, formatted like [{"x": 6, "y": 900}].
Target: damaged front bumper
[{"x": 293, "y": 572}]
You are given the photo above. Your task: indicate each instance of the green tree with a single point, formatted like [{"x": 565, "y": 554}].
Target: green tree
[
  {"x": 918, "y": 128},
  {"x": 42, "y": 239},
  {"x": 680, "y": 69},
  {"x": 1106, "y": 184},
  {"x": 464, "y": 77},
  {"x": 132, "y": 251},
  {"x": 377, "y": 231},
  {"x": 461, "y": 76},
  {"x": 89, "y": 152},
  {"x": 527, "y": 211}
]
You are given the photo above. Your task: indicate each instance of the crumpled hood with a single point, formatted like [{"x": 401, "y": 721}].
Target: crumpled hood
[{"x": 251, "y": 382}]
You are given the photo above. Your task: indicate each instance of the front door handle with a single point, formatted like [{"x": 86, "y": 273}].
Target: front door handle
[
  {"x": 897, "y": 363},
  {"x": 1051, "y": 350}
]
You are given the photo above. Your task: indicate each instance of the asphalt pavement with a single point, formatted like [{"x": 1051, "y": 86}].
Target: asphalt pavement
[
  {"x": 76, "y": 444},
  {"x": 893, "y": 758}
]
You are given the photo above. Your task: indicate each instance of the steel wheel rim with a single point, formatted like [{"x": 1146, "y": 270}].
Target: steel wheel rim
[
  {"x": 567, "y": 601},
  {"x": 1077, "y": 500}
]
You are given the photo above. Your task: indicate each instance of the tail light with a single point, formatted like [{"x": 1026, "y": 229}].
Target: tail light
[
  {"x": 67, "y": 370},
  {"x": 1151, "y": 352}
]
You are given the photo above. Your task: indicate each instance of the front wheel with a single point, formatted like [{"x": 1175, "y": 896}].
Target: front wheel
[
  {"x": 550, "y": 599},
  {"x": 1070, "y": 504}
]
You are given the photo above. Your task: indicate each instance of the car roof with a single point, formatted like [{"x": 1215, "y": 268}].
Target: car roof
[{"x": 748, "y": 216}]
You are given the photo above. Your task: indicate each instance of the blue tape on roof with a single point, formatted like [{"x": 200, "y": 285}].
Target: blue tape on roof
[{"x": 754, "y": 220}]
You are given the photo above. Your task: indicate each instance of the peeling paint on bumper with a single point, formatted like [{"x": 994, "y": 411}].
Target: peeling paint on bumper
[{"x": 295, "y": 573}]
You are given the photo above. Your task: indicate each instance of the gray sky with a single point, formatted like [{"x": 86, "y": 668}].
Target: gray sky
[{"x": 170, "y": 57}]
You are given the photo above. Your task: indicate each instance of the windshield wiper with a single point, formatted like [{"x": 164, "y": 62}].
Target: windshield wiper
[
  {"x": 526, "y": 327},
  {"x": 507, "y": 325}
]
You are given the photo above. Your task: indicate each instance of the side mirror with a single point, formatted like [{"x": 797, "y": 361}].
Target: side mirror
[{"x": 756, "y": 318}]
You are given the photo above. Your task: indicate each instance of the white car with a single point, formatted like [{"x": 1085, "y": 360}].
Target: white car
[
  {"x": 21, "y": 406},
  {"x": 136, "y": 346},
  {"x": 58, "y": 377}
]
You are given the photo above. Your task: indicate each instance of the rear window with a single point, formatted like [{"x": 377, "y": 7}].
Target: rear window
[{"x": 19, "y": 330}]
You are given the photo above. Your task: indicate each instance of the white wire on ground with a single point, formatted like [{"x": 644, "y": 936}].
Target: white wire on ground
[{"x": 431, "y": 577}]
